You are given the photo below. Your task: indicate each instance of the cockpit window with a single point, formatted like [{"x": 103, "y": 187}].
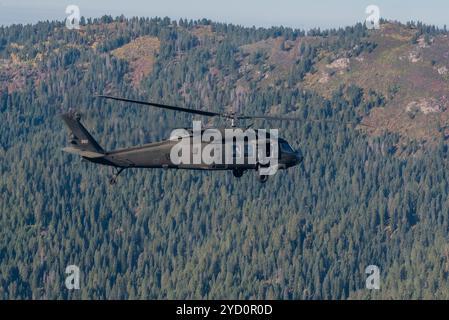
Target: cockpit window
[{"x": 285, "y": 147}]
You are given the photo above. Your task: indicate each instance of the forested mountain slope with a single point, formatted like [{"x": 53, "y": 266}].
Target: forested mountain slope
[{"x": 361, "y": 197}]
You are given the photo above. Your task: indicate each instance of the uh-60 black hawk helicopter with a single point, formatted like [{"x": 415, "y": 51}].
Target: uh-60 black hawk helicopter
[{"x": 157, "y": 154}]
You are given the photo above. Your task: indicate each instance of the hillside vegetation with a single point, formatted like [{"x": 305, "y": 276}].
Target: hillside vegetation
[{"x": 376, "y": 196}]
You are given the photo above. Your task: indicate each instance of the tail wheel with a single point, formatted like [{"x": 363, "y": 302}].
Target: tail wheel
[{"x": 113, "y": 179}]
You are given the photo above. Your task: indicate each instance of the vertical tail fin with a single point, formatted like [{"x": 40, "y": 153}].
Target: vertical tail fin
[{"x": 80, "y": 141}]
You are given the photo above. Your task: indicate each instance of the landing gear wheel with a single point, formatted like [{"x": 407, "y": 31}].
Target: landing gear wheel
[
  {"x": 263, "y": 178},
  {"x": 238, "y": 173},
  {"x": 113, "y": 179}
]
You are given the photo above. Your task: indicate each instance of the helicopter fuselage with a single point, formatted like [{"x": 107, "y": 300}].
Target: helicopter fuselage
[
  {"x": 236, "y": 156},
  {"x": 157, "y": 155}
]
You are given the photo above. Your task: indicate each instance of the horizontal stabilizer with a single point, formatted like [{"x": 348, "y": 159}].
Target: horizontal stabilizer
[{"x": 86, "y": 154}]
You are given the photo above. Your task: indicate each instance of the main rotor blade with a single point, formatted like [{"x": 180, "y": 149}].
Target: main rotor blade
[
  {"x": 164, "y": 106},
  {"x": 224, "y": 115},
  {"x": 269, "y": 118},
  {"x": 262, "y": 117}
]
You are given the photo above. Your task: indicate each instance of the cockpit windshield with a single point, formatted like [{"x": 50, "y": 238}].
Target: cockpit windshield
[{"x": 285, "y": 147}]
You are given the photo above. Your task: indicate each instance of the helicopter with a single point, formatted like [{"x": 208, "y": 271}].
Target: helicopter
[{"x": 159, "y": 154}]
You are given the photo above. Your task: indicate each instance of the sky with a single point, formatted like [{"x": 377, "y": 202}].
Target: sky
[{"x": 303, "y": 14}]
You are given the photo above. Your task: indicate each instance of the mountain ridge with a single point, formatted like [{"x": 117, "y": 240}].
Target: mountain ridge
[{"x": 308, "y": 233}]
